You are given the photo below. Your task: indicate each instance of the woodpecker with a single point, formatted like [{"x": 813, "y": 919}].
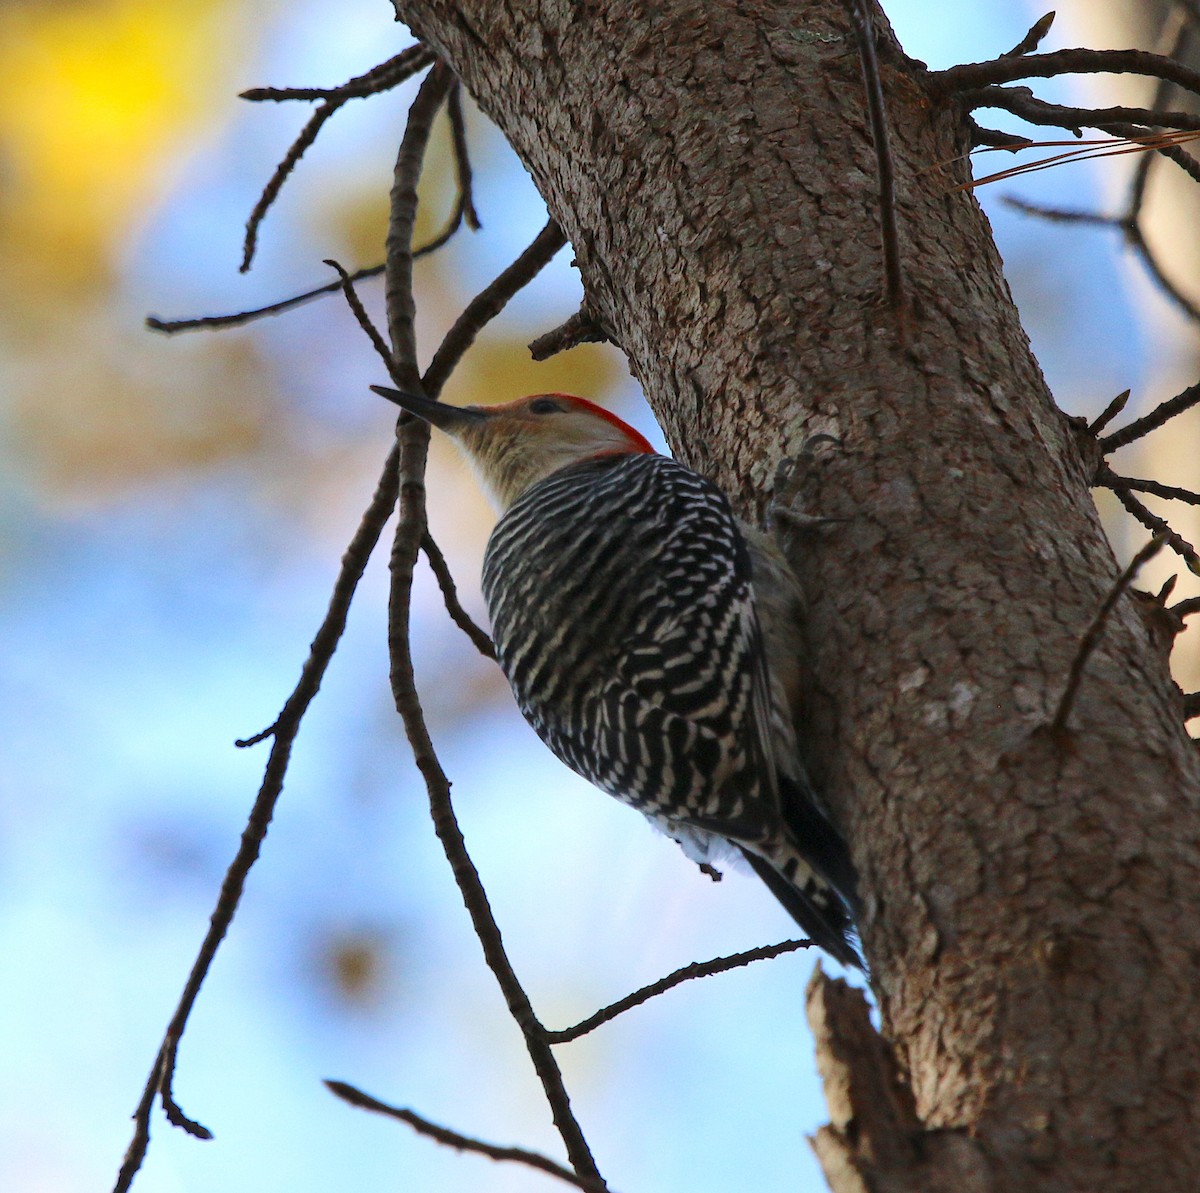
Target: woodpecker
[{"x": 625, "y": 602}]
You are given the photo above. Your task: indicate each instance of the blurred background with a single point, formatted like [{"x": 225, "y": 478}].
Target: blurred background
[{"x": 172, "y": 515}]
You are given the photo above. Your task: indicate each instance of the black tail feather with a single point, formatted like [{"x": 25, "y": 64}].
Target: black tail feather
[
  {"x": 827, "y": 923},
  {"x": 822, "y": 845}
]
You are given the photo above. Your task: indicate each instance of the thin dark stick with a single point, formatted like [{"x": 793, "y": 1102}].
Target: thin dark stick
[
  {"x": 412, "y": 436},
  {"x": 973, "y": 75},
  {"x": 580, "y": 328},
  {"x": 1090, "y": 639},
  {"x": 214, "y": 322},
  {"x": 364, "y": 320},
  {"x": 403, "y": 208},
  {"x": 1130, "y": 228},
  {"x": 489, "y": 302},
  {"x": 1186, "y": 608},
  {"x": 1163, "y": 413},
  {"x": 284, "y": 732},
  {"x": 1172, "y": 152},
  {"x": 417, "y": 58},
  {"x": 1155, "y": 488},
  {"x": 462, "y": 157},
  {"x": 1161, "y": 528},
  {"x": 1022, "y": 102},
  {"x": 463, "y": 1143},
  {"x": 238, "y": 318},
  {"x": 993, "y": 139},
  {"x": 1191, "y": 706},
  {"x": 877, "y": 113},
  {"x": 460, "y": 617},
  {"x": 308, "y": 134},
  {"x": 379, "y": 78},
  {"x": 1141, "y": 176},
  {"x": 1137, "y": 239},
  {"x": 698, "y": 969},
  {"x": 475, "y": 897},
  {"x": 1109, "y": 413},
  {"x": 1060, "y": 215},
  {"x": 1033, "y": 38}
]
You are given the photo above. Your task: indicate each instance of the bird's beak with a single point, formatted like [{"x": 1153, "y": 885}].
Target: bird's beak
[{"x": 451, "y": 419}]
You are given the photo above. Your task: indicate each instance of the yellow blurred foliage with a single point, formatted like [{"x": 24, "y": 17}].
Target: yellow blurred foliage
[
  {"x": 499, "y": 369},
  {"x": 91, "y": 96}
]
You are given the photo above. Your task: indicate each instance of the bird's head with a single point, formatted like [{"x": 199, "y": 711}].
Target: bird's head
[{"x": 520, "y": 443}]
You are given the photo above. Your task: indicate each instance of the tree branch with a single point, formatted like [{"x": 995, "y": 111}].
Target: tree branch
[
  {"x": 489, "y": 302},
  {"x": 1161, "y": 414},
  {"x": 389, "y": 74},
  {"x": 283, "y": 731},
  {"x": 971, "y": 76},
  {"x": 411, "y": 529},
  {"x": 460, "y": 617},
  {"x": 698, "y": 969},
  {"x": 463, "y": 1143},
  {"x": 580, "y": 328}
]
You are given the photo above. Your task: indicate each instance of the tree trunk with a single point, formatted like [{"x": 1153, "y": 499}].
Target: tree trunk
[{"x": 1032, "y": 910}]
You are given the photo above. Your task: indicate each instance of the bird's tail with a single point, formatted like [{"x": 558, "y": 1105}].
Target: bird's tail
[
  {"x": 813, "y": 877},
  {"x": 816, "y": 907}
]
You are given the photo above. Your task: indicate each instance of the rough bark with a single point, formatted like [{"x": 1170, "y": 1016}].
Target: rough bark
[{"x": 1033, "y": 916}]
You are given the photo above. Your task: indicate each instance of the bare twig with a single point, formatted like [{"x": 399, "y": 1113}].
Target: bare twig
[
  {"x": 413, "y": 439},
  {"x": 1155, "y": 488},
  {"x": 1163, "y": 413},
  {"x": 462, "y": 157},
  {"x": 413, "y": 443},
  {"x": 363, "y": 319},
  {"x": 1090, "y": 639},
  {"x": 1179, "y": 49},
  {"x": 238, "y": 318},
  {"x": 391, "y": 73},
  {"x": 403, "y": 208},
  {"x": 1022, "y": 102},
  {"x": 379, "y": 78},
  {"x": 1186, "y": 607},
  {"x": 973, "y": 75},
  {"x": 1033, "y": 38},
  {"x": 490, "y": 301},
  {"x": 580, "y": 328},
  {"x": 698, "y": 969},
  {"x": 215, "y": 322},
  {"x": 284, "y": 732},
  {"x": 991, "y": 138},
  {"x": 460, "y": 617},
  {"x": 463, "y": 1143},
  {"x": 860, "y": 14},
  {"x": 308, "y": 134},
  {"x": 1060, "y": 215},
  {"x": 1137, "y": 239},
  {"x": 1130, "y": 228},
  {"x": 1160, "y": 527},
  {"x": 1109, "y": 413}
]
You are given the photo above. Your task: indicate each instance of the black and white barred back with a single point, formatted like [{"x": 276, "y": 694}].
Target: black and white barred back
[{"x": 622, "y": 608}]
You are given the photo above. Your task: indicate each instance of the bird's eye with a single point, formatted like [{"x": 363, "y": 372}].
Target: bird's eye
[{"x": 545, "y": 406}]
